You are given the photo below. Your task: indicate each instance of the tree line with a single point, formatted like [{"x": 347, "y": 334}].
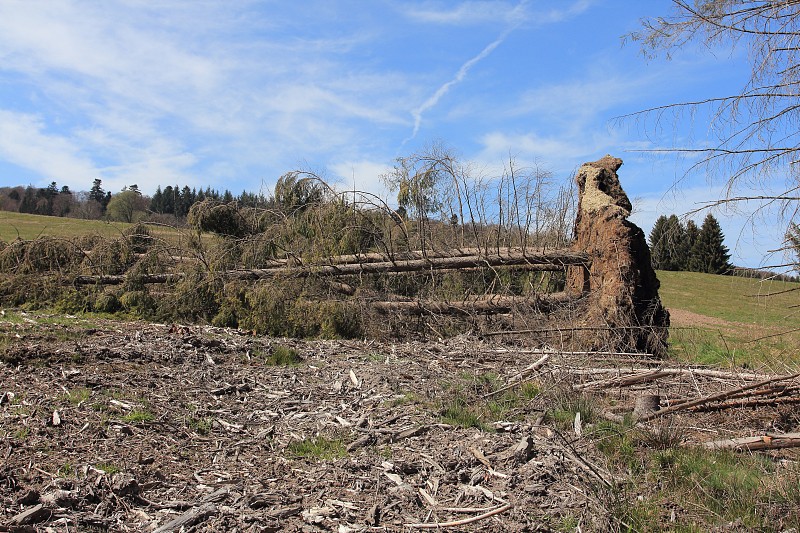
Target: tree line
[
  {"x": 675, "y": 246},
  {"x": 127, "y": 205}
]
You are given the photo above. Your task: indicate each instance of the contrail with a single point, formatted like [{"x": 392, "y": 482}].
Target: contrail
[{"x": 460, "y": 75}]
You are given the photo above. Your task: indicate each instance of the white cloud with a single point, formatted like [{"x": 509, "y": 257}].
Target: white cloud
[
  {"x": 467, "y": 13},
  {"x": 25, "y": 142},
  {"x": 482, "y": 12}
]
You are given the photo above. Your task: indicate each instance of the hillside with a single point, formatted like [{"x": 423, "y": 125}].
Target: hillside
[{"x": 732, "y": 321}]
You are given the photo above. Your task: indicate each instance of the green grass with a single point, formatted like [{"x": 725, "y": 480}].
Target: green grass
[
  {"x": 705, "y": 489},
  {"x": 79, "y": 395},
  {"x": 457, "y": 412},
  {"x": 318, "y": 448},
  {"x": 727, "y": 486},
  {"x": 739, "y": 324},
  {"x": 201, "y": 425},
  {"x": 109, "y": 468},
  {"x": 284, "y": 356},
  {"x": 27, "y": 227},
  {"x": 475, "y": 400},
  {"x": 138, "y": 416},
  {"x": 731, "y": 298}
]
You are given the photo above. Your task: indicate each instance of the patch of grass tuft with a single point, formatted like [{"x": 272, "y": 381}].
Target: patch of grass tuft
[
  {"x": 79, "y": 395},
  {"x": 109, "y": 468},
  {"x": 284, "y": 356},
  {"x": 138, "y": 416},
  {"x": 456, "y": 412},
  {"x": 319, "y": 448},
  {"x": 201, "y": 425}
]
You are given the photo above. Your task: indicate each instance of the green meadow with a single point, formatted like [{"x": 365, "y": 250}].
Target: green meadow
[{"x": 733, "y": 321}]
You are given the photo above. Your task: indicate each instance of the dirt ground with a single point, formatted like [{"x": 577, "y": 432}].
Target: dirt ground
[{"x": 111, "y": 426}]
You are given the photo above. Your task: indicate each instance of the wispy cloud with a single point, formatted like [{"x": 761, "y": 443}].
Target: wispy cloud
[
  {"x": 459, "y": 77},
  {"x": 483, "y": 12},
  {"x": 25, "y": 142},
  {"x": 467, "y": 13},
  {"x": 514, "y": 16}
]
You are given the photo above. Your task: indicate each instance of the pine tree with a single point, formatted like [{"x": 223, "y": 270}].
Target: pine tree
[
  {"x": 658, "y": 248},
  {"x": 157, "y": 201},
  {"x": 709, "y": 253},
  {"x": 692, "y": 231},
  {"x": 667, "y": 243},
  {"x": 97, "y": 193}
]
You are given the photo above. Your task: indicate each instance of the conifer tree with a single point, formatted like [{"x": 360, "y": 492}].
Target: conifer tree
[
  {"x": 667, "y": 243},
  {"x": 692, "y": 231},
  {"x": 709, "y": 253},
  {"x": 658, "y": 249}
]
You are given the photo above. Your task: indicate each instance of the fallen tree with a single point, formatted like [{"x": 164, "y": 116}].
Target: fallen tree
[{"x": 555, "y": 260}]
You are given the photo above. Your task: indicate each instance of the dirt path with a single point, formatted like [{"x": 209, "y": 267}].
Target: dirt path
[{"x": 685, "y": 318}]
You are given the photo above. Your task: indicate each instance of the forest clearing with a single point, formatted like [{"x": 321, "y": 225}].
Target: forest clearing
[{"x": 544, "y": 398}]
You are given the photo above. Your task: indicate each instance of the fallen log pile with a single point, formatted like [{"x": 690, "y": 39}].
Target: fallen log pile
[{"x": 553, "y": 260}]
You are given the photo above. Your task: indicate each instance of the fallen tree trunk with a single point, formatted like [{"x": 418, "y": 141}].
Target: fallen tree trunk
[
  {"x": 485, "y": 306},
  {"x": 548, "y": 260},
  {"x": 558, "y": 258},
  {"x": 760, "y": 442},
  {"x": 393, "y": 257}
]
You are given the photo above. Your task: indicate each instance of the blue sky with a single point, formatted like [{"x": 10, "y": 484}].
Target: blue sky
[{"x": 232, "y": 94}]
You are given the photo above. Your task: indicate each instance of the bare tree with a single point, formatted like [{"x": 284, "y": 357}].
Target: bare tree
[{"x": 755, "y": 133}]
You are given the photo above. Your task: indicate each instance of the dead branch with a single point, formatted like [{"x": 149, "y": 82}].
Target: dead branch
[
  {"x": 715, "y": 397},
  {"x": 622, "y": 381},
  {"x": 755, "y": 402},
  {"x": 465, "y": 521},
  {"x": 761, "y": 442}
]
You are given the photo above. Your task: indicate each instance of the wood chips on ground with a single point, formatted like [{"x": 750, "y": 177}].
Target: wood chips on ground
[{"x": 110, "y": 426}]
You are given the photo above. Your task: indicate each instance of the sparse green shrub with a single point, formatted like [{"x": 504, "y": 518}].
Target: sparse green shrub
[
  {"x": 457, "y": 412},
  {"x": 107, "y": 302},
  {"x": 284, "y": 356},
  {"x": 139, "y": 303}
]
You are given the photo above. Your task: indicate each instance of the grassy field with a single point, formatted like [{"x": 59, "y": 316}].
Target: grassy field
[
  {"x": 28, "y": 227},
  {"x": 732, "y": 321}
]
